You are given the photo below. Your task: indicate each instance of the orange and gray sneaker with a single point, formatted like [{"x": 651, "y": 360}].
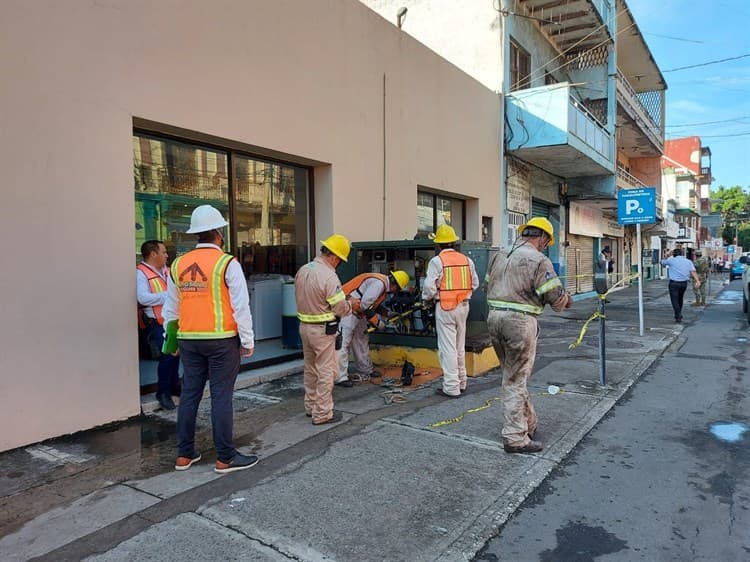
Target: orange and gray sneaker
[
  {"x": 183, "y": 463},
  {"x": 238, "y": 462}
]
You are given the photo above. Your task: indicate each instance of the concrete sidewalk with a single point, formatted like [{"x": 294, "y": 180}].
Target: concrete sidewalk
[{"x": 386, "y": 483}]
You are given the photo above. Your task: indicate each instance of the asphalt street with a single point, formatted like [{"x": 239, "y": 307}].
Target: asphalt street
[{"x": 663, "y": 476}]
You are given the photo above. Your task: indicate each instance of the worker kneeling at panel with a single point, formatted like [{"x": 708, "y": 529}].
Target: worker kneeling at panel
[{"x": 371, "y": 289}]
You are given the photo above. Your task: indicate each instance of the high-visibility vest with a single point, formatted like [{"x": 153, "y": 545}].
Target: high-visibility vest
[
  {"x": 205, "y": 306},
  {"x": 157, "y": 284},
  {"x": 353, "y": 285},
  {"x": 455, "y": 286}
]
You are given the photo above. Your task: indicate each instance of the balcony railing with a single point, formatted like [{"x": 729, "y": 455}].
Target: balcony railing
[
  {"x": 549, "y": 127},
  {"x": 629, "y": 99},
  {"x": 686, "y": 233},
  {"x": 583, "y": 124}
]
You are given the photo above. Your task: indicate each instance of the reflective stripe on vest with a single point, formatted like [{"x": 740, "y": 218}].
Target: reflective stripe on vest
[
  {"x": 553, "y": 283},
  {"x": 316, "y": 318},
  {"x": 205, "y": 305},
  {"x": 515, "y": 306},
  {"x": 354, "y": 284},
  {"x": 329, "y": 316},
  {"x": 156, "y": 285},
  {"x": 455, "y": 285}
]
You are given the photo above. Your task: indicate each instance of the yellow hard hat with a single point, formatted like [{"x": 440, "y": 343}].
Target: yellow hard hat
[
  {"x": 542, "y": 224},
  {"x": 338, "y": 245},
  {"x": 445, "y": 235},
  {"x": 401, "y": 277}
]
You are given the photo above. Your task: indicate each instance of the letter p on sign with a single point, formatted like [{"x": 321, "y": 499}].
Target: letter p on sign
[{"x": 631, "y": 205}]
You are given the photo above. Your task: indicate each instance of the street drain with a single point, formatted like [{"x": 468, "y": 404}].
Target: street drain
[{"x": 729, "y": 432}]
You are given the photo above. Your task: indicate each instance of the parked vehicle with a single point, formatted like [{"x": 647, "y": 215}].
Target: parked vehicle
[
  {"x": 738, "y": 268},
  {"x": 745, "y": 287}
]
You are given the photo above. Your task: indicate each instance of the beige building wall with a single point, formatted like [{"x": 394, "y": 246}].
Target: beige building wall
[
  {"x": 439, "y": 25},
  {"x": 291, "y": 77}
]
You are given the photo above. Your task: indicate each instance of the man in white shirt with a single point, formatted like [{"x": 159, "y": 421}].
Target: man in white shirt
[
  {"x": 151, "y": 292},
  {"x": 207, "y": 293}
]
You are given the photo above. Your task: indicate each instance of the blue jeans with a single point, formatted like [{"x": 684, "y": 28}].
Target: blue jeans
[
  {"x": 168, "y": 370},
  {"x": 218, "y": 362}
]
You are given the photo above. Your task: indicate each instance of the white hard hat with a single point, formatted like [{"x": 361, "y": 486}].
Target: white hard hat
[{"x": 205, "y": 218}]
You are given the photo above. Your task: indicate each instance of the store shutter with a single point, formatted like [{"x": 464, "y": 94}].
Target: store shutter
[
  {"x": 580, "y": 264},
  {"x": 539, "y": 209}
]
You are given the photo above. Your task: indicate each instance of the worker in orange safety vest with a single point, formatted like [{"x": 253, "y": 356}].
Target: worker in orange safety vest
[
  {"x": 371, "y": 289},
  {"x": 451, "y": 278},
  {"x": 207, "y": 294},
  {"x": 151, "y": 292}
]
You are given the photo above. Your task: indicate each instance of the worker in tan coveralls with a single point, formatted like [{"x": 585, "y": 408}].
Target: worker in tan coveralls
[
  {"x": 702, "y": 268},
  {"x": 320, "y": 305},
  {"x": 450, "y": 280},
  {"x": 519, "y": 283}
]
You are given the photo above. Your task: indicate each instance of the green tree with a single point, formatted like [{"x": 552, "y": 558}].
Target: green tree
[{"x": 734, "y": 205}]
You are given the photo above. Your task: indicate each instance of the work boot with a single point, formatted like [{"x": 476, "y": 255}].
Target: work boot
[
  {"x": 441, "y": 392},
  {"x": 530, "y": 447},
  {"x": 238, "y": 462},
  {"x": 336, "y": 417},
  {"x": 165, "y": 401}
]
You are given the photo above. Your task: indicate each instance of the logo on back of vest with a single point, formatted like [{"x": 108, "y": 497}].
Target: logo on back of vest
[{"x": 193, "y": 284}]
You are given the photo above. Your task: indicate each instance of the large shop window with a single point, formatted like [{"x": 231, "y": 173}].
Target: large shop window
[
  {"x": 436, "y": 210},
  {"x": 269, "y": 223}
]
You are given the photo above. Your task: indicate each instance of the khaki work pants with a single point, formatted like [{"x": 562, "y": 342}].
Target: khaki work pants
[
  {"x": 700, "y": 292},
  {"x": 354, "y": 337},
  {"x": 451, "y": 340},
  {"x": 318, "y": 350},
  {"x": 514, "y": 337}
]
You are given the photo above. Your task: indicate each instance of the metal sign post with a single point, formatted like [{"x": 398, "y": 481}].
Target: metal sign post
[
  {"x": 640, "y": 278},
  {"x": 637, "y": 206}
]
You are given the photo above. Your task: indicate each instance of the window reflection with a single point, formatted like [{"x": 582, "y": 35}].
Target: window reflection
[
  {"x": 170, "y": 180},
  {"x": 436, "y": 210},
  {"x": 271, "y": 216}
]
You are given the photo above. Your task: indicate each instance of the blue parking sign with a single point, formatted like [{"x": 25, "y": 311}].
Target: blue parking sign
[{"x": 636, "y": 206}]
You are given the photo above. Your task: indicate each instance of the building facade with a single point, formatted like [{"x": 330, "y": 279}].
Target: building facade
[
  {"x": 583, "y": 112},
  {"x": 686, "y": 170},
  {"x": 296, "y": 119}
]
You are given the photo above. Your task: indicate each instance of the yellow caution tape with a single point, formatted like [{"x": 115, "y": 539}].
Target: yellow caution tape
[
  {"x": 596, "y": 313},
  {"x": 585, "y": 327},
  {"x": 461, "y": 416},
  {"x": 486, "y": 405}
]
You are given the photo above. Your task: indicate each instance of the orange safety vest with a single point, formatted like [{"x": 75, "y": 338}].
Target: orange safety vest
[
  {"x": 157, "y": 285},
  {"x": 205, "y": 305},
  {"x": 455, "y": 286},
  {"x": 354, "y": 284}
]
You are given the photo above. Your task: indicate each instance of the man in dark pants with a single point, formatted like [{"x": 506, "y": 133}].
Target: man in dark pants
[
  {"x": 151, "y": 291},
  {"x": 207, "y": 293},
  {"x": 680, "y": 270}
]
